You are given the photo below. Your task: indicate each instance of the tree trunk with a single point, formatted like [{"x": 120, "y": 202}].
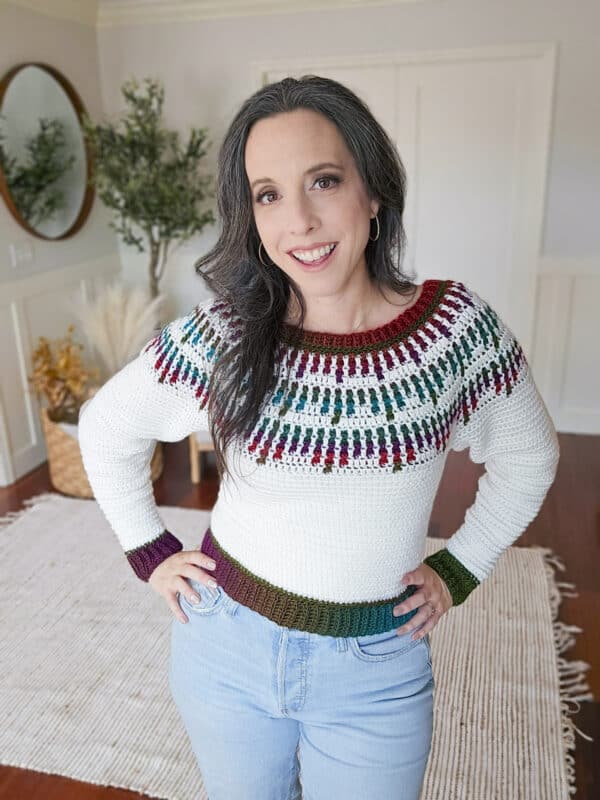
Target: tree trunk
[{"x": 153, "y": 268}]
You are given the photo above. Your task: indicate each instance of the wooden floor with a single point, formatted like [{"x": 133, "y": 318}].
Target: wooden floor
[{"x": 569, "y": 523}]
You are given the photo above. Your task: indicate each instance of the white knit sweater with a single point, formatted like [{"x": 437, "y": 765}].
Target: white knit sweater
[{"x": 335, "y": 485}]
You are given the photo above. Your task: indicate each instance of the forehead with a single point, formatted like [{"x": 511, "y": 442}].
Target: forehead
[{"x": 287, "y": 142}]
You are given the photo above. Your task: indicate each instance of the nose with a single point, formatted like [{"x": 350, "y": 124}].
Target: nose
[{"x": 301, "y": 217}]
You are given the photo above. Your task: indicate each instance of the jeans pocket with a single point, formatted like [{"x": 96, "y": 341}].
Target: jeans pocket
[
  {"x": 211, "y": 600},
  {"x": 385, "y": 646}
]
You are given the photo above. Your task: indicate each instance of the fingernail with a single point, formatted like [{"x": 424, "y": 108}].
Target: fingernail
[
  {"x": 211, "y": 565},
  {"x": 195, "y": 599},
  {"x": 212, "y": 583}
]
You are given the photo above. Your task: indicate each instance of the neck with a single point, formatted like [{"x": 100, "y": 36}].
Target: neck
[
  {"x": 361, "y": 312},
  {"x": 347, "y": 313}
]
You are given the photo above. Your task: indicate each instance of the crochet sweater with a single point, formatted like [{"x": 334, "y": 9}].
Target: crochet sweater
[{"x": 334, "y": 485}]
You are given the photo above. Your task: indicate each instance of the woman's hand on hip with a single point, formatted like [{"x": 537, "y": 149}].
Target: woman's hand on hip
[
  {"x": 168, "y": 578},
  {"x": 433, "y": 600}
]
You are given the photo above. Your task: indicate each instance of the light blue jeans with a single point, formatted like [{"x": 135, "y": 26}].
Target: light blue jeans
[{"x": 276, "y": 713}]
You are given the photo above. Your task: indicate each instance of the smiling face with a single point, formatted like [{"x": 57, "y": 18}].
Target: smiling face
[{"x": 296, "y": 208}]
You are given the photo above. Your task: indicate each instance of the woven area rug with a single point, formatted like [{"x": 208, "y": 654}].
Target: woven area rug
[{"x": 84, "y": 649}]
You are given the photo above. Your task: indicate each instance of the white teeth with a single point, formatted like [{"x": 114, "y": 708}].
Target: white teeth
[{"x": 313, "y": 255}]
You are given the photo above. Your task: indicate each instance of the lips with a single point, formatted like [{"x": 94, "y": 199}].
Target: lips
[
  {"x": 314, "y": 264},
  {"x": 314, "y": 246}
]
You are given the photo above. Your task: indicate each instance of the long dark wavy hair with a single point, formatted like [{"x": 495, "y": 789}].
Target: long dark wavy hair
[{"x": 259, "y": 295}]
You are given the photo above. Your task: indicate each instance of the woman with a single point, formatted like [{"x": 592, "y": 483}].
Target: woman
[{"x": 334, "y": 389}]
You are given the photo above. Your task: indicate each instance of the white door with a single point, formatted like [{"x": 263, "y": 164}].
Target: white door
[{"x": 472, "y": 129}]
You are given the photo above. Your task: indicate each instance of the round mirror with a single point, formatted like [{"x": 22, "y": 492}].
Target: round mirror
[{"x": 44, "y": 161}]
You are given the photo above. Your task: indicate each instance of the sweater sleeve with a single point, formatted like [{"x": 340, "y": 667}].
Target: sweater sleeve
[
  {"x": 504, "y": 422},
  {"x": 162, "y": 394}
]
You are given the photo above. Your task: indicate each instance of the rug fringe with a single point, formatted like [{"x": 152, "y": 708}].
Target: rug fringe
[
  {"x": 571, "y": 674},
  {"x": 28, "y": 504}
]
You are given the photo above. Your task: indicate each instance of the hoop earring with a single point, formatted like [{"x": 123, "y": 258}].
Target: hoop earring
[
  {"x": 260, "y": 259},
  {"x": 377, "y": 237}
]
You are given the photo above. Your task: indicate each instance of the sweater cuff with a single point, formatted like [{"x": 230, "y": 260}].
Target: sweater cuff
[
  {"x": 455, "y": 575},
  {"x": 146, "y": 558}
]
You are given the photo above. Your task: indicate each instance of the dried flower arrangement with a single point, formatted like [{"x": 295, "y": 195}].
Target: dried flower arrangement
[
  {"x": 116, "y": 323},
  {"x": 62, "y": 378}
]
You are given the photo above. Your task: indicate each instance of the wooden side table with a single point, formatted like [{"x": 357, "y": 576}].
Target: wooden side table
[{"x": 200, "y": 442}]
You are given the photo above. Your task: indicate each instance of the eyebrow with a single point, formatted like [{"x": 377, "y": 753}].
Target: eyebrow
[{"x": 316, "y": 168}]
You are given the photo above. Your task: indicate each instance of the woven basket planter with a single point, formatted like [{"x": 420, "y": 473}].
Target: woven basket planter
[{"x": 67, "y": 473}]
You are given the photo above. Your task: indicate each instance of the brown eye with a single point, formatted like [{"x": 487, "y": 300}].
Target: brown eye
[
  {"x": 327, "y": 178},
  {"x": 330, "y": 178},
  {"x": 260, "y": 197}
]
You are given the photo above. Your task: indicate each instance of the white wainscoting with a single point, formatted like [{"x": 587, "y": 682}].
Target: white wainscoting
[
  {"x": 30, "y": 308},
  {"x": 567, "y": 331}
]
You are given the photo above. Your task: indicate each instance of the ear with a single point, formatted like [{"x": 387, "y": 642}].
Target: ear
[{"x": 374, "y": 206}]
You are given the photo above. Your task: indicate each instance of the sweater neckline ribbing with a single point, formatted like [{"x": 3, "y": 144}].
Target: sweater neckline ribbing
[{"x": 405, "y": 321}]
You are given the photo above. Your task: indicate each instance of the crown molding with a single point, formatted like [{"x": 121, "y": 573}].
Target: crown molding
[
  {"x": 83, "y": 11},
  {"x": 113, "y": 13}
]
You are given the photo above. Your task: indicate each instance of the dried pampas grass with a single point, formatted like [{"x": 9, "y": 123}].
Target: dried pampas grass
[{"x": 118, "y": 322}]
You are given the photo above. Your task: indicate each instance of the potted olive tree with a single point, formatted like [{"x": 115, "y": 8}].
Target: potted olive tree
[{"x": 148, "y": 178}]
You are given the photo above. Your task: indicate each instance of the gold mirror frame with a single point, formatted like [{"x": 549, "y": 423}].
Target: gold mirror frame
[{"x": 88, "y": 197}]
